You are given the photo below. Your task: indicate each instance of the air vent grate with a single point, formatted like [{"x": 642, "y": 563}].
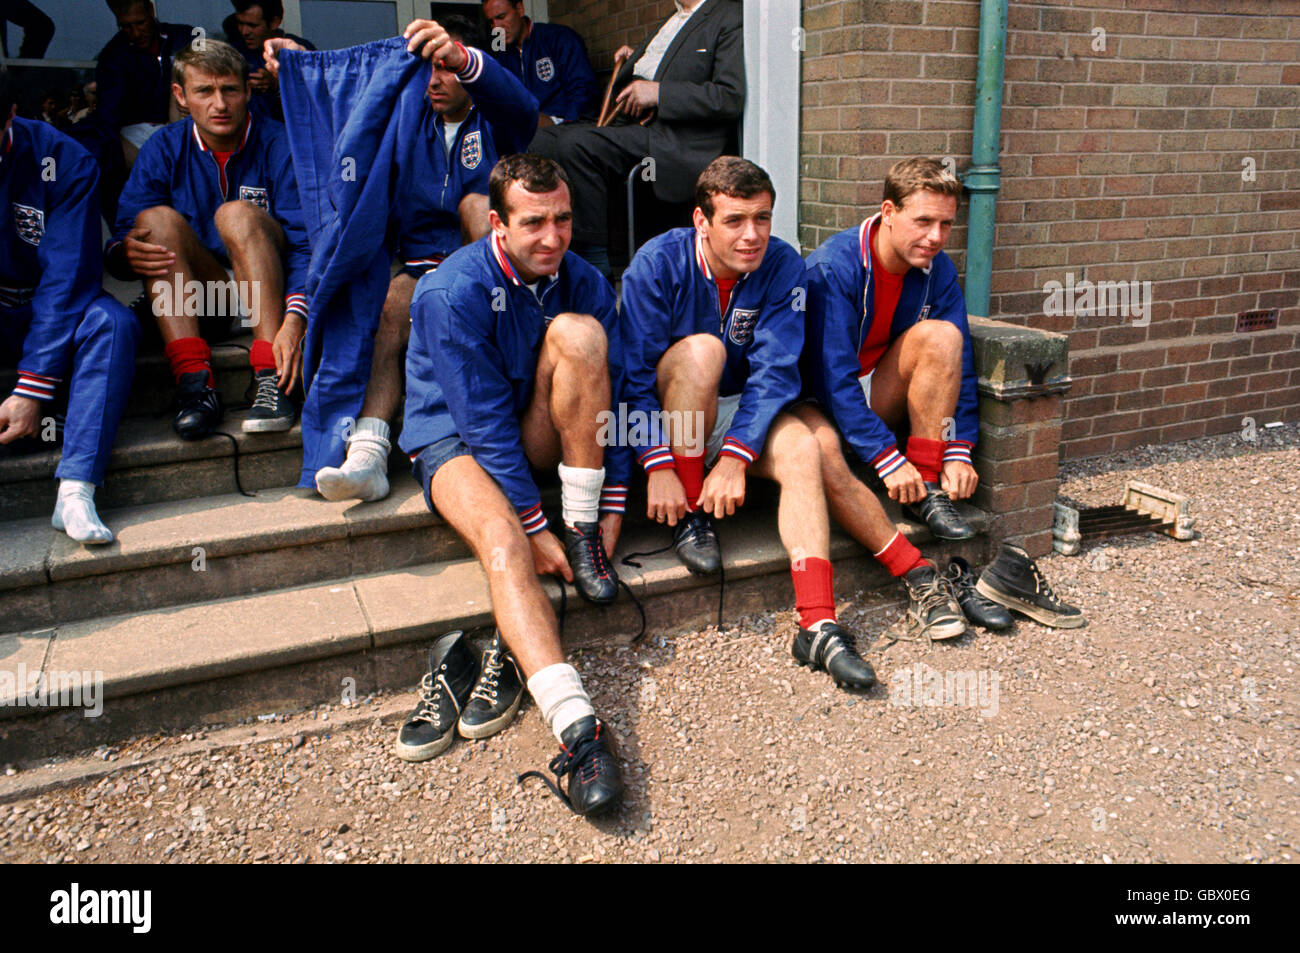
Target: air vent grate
[{"x": 1264, "y": 320}]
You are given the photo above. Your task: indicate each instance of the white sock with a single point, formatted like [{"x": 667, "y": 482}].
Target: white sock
[
  {"x": 559, "y": 694},
  {"x": 580, "y": 494},
  {"x": 75, "y": 513},
  {"x": 364, "y": 474}
]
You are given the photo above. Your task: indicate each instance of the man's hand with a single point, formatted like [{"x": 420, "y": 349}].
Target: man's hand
[
  {"x": 272, "y": 47},
  {"x": 665, "y": 496},
  {"x": 638, "y": 97},
  {"x": 905, "y": 485},
  {"x": 144, "y": 257},
  {"x": 623, "y": 53},
  {"x": 430, "y": 40},
  {"x": 611, "y": 524},
  {"x": 724, "y": 488},
  {"x": 959, "y": 479},
  {"x": 287, "y": 349},
  {"x": 548, "y": 555},
  {"x": 19, "y": 417},
  {"x": 261, "y": 81}
]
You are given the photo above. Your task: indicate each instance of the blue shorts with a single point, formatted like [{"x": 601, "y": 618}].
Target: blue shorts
[{"x": 429, "y": 460}]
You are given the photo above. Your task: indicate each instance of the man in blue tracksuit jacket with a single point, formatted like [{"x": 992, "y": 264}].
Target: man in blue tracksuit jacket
[
  {"x": 133, "y": 73},
  {"x": 57, "y": 326},
  {"x": 212, "y": 191},
  {"x": 475, "y": 112},
  {"x": 515, "y": 362},
  {"x": 712, "y": 329},
  {"x": 889, "y": 349},
  {"x": 548, "y": 58},
  {"x": 247, "y": 29}
]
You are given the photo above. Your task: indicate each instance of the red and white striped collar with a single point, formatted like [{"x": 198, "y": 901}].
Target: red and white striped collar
[
  {"x": 864, "y": 244},
  {"x": 503, "y": 260},
  {"x": 248, "y": 128},
  {"x": 703, "y": 263}
]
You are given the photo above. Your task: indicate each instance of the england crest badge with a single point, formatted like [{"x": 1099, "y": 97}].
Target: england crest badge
[
  {"x": 742, "y": 325},
  {"x": 471, "y": 150},
  {"x": 29, "y": 223},
  {"x": 258, "y": 197},
  {"x": 545, "y": 69}
]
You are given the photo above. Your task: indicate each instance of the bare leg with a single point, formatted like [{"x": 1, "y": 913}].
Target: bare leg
[
  {"x": 688, "y": 375},
  {"x": 473, "y": 211},
  {"x": 255, "y": 243},
  {"x": 920, "y": 374},
  {"x": 193, "y": 263},
  {"x": 387, "y": 375},
  {"x": 790, "y": 457},
  {"x": 572, "y": 389}
]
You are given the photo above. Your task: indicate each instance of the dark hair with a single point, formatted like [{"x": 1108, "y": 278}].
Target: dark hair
[
  {"x": 732, "y": 176},
  {"x": 535, "y": 173},
  {"x": 271, "y": 9},
  {"x": 119, "y": 7},
  {"x": 469, "y": 31}
]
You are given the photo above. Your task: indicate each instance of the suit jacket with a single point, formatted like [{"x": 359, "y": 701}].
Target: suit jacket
[{"x": 701, "y": 96}]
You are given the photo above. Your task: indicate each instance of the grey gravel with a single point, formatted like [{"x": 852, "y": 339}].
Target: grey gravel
[{"x": 1164, "y": 731}]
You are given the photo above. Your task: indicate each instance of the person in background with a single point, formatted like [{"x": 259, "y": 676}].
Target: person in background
[
  {"x": 549, "y": 59},
  {"x": 247, "y": 29}
]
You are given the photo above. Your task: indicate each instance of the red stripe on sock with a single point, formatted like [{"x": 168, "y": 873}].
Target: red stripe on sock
[
  {"x": 690, "y": 470},
  {"x": 261, "y": 357},
  {"x": 926, "y": 456},
  {"x": 189, "y": 356},
  {"x": 900, "y": 557},
  {"x": 814, "y": 591}
]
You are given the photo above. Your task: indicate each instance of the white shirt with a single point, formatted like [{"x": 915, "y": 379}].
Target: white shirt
[
  {"x": 449, "y": 130},
  {"x": 648, "y": 64}
]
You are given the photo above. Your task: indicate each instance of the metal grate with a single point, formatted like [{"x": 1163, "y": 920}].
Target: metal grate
[
  {"x": 1264, "y": 320},
  {"x": 1102, "y": 522}
]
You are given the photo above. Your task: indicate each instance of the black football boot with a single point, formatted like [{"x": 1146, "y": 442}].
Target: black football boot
[
  {"x": 593, "y": 575},
  {"x": 595, "y": 783},
  {"x": 938, "y": 513},
  {"x": 829, "y": 648},
  {"x": 976, "y": 608},
  {"x": 200, "y": 407},
  {"x": 696, "y": 543}
]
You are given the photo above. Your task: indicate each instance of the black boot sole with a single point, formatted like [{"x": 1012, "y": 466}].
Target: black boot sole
[{"x": 1046, "y": 617}]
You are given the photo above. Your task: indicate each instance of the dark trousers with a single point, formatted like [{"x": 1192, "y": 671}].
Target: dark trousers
[{"x": 597, "y": 161}]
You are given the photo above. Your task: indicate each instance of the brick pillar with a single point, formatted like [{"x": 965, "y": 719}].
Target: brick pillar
[{"x": 1022, "y": 375}]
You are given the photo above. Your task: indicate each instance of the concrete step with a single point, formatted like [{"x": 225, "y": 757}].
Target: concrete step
[
  {"x": 214, "y": 547},
  {"x": 150, "y": 464},
  {"x": 167, "y": 669}
]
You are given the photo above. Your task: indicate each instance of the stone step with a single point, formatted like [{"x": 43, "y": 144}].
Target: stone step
[
  {"x": 150, "y": 464},
  {"x": 167, "y": 669}
]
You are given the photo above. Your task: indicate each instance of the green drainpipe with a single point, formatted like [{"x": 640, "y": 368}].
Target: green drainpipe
[{"x": 983, "y": 178}]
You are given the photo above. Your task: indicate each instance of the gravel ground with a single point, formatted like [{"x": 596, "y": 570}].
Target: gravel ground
[{"x": 1164, "y": 731}]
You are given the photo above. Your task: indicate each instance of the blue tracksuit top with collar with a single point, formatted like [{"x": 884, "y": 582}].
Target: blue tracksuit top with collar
[
  {"x": 476, "y": 335},
  {"x": 177, "y": 169},
  {"x": 841, "y": 305},
  {"x": 552, "y": 63},
  {"x": 431, "y": 181},
  {"x": 669, "y": 293},
  {"x": 49, "y": 246}
]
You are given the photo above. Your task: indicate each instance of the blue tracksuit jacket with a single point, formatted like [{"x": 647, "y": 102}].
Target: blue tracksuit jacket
[
  {"x": 175, "y": 168},
  {"x": 552, "y": 64},
  {"x": 473, "y": 357},
  {"x": 669, "y": 293},
  {"x": 840, "y": 311}
]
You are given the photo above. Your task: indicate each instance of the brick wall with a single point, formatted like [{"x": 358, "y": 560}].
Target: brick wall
[
  {"x": 1122, "y": 163},
  {"x": 608, "y": 24}
]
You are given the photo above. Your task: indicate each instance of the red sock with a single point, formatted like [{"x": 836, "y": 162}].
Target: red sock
[
  {"x": 261, "y": 356},
  {"x": 690, "y": 470},
  {"x": 926, "y": 456},
  {"x": 900, "y": 557},
  {"x": 814, "y": 591},
  {"x": 189, "y": 356}
]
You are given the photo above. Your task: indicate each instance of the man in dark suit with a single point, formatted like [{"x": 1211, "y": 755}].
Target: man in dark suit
[{"x": 680, "y": 95}]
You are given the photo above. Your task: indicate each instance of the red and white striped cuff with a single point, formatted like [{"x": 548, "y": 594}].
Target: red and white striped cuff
[
  {"x": 888, "y": 461},
  {"x": 473, "y": 64},
  {"x": 958, "y": 450},
  {"x": 35, "y": 386},
  {"x": 534, "y": 519},
  {"x": 296, "y": 303},
  {"x": 656, "y": 458},
  {"x": 731, "y": 447},
  {"x": 613, "y": 499}
]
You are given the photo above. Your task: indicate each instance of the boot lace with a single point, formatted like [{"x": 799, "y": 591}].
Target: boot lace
[
  {"x": 268, "y": 394},
  {"x": 486, "y": 689},
  {"x": 431, "y": 695},
  {"x": 588, "y": 760}
]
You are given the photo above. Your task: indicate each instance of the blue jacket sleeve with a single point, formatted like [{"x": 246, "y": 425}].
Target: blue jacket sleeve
[
  {"x": 71, "y": 269},
  {"x": 148, "y": 185},
  {"x": 774, "y": 380},
  {"x": 509, "y": 108},
  {"x": 833, "y": 300},
  {"x": 467, "y": 365},
  {"x": 950, "y": 306},
  {"x": 576, "y": 75},
  {"x": 647, "y": 333},
  {"x": 288, "y": 211}
]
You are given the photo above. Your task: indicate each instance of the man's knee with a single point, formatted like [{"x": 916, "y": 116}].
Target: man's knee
[
  {"x": 578, "y": 338},
  {"x": 162, "y": 220},
  {"x": 240, "y": 220},
  {"x": 699, "y": 357},
  {"x": 502, "y": 545},
  {"x": 796, "y": 455},
  {"x": 940, "y": 341}
]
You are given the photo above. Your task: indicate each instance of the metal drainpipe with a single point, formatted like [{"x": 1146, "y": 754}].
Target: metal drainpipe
[{"x": 983, "y": 178}]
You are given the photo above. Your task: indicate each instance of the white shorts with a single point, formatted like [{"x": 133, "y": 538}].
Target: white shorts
[
  {"x": 726, "y": 414},
  {"x": 139, "y": 133},
  {"x": 865, "y": 381}
]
